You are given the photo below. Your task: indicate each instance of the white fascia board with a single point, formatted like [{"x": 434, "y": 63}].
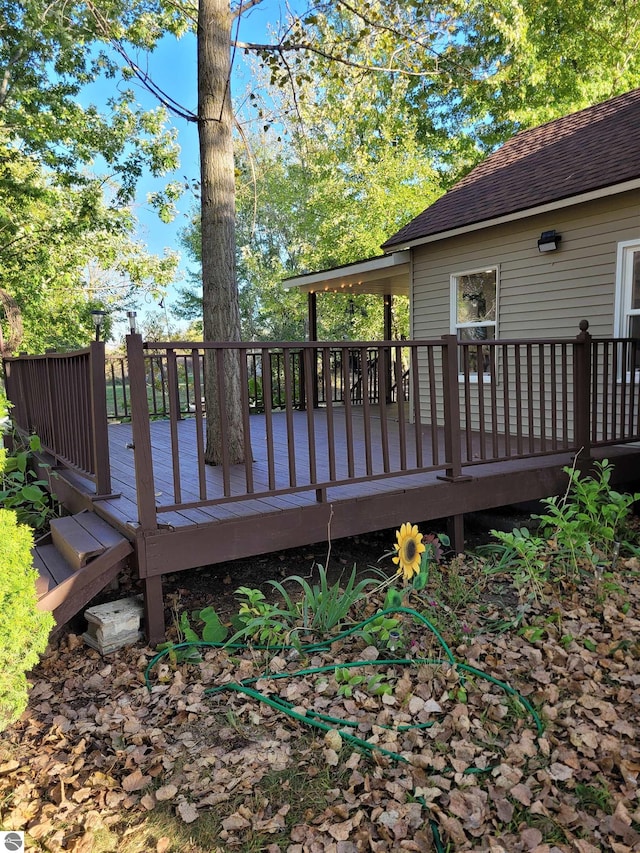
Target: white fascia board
[
  {"x": 522, "y": 214},
  {"x": 357, "y": 270}
]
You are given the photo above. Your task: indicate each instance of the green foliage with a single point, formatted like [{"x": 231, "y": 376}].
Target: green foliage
[
  {"x": 320, "y": 609},
  {"x": 579, "y": 532},
  {"x": 348, "y": 679},
  {"x": 22, "y": 491},
  {"x": 24, "y": 630},
  {"x": 526, "y": 556},
  {"x": 211, "y": 631},
  {"x": 589, "y": 520},
  {"x": 378, "y": 632},
  {"x": 323, "y": 607},
  {"x": 66, "y": 234},
  {"x": 259, "y": 620}
]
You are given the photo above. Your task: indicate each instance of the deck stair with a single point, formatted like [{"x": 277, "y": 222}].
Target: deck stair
[{"x": 75, "y": 561}]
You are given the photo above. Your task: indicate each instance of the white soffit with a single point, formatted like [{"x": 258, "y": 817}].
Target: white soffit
[{"x": 382, "y": 275}]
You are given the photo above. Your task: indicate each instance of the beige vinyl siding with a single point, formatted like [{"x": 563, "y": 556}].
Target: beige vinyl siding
[{"x": 540, "y": 295}]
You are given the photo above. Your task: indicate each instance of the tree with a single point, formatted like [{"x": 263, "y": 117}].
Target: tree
[
  {"x": 66, "y": 235},
  {"x": 464, "y": 61},
  {"x": 63, "y": 251},
  {"x": 472, "y": 70}
]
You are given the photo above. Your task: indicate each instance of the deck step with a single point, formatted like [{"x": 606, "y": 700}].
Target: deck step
[
  {"x": 77, "y": 544},
  {"x": 80, "y": 556},
  {"x": 52, "y": 567}
]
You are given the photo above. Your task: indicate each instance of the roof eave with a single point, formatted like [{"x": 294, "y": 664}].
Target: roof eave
[
  {"x": 337, "y": 278},
  {"x": 558, "y": 204}
]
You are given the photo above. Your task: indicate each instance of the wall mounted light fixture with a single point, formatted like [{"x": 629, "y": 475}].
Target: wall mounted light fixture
[{"x": 548, "y": 241}]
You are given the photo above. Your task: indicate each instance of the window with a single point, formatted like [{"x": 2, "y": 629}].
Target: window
[
  {"x": 474, "y": 298},
  {"x": 627, "y": 323}
]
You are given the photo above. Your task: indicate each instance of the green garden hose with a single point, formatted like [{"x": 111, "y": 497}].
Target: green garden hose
[{"x": 327, "y": 723}]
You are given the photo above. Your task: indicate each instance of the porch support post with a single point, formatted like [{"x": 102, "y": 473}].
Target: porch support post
[
  {"x": 98, "y": 384},
  {"x": 456, "y": 533},
  {"x": 388, "y": 332},
  {"x": 143, "y": 460},
  {"x": 582, "y": 392},
  {"x": 312, "y": 303},
  {"x": 154, "y": 626},
  {"x": 312, "y": 313},
  {"x": 450, "y": 386}
]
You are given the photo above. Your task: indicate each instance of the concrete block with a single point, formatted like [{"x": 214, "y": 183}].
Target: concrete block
[{"x": 113, "y": 625}]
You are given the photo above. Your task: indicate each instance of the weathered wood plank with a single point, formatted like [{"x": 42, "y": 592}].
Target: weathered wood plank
[
  {"x": 56, "y": 565},
  {"x": 74, "y": 542}
]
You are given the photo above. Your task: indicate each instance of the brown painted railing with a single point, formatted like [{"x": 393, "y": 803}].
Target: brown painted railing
[
  {"x": 61, "y": 397},
  {"x": 360, "y": 378},
  {"x": 463, "y": 404}
]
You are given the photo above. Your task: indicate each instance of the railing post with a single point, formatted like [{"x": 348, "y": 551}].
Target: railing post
[
  {"x": 451, "y": 391},
  {"x": 145, "y": 487},
  {"x": 98, "y": 385},
  {"x": 582, "y": 391}
]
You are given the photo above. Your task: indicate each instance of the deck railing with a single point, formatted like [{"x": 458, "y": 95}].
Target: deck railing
[
  {"x": 445, "y": 407},
  {"x": 361, "y": 378},
  {"x": 61, "y": 397}
]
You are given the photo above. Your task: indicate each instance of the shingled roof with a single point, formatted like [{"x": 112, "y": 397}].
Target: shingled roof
[{"x": 589, "y": 150}]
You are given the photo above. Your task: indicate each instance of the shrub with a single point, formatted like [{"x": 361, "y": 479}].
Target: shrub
[{"x": 24, "y": 630}]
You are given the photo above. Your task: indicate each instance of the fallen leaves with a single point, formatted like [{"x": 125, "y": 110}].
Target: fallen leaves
[{"x": 95, "y": 743}]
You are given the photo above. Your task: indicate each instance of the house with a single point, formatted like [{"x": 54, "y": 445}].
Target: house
[
  {"x": 541, "y": 234},
  {"x": 495, "y": 392}
]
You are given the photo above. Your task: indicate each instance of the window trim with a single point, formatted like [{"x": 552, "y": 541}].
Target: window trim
[
  {"x": 624, "y": 260},
  {"x": 453, "y": 307}
]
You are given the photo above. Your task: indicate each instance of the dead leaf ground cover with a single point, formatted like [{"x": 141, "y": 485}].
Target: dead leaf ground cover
[{"x": 98, "y": 762}]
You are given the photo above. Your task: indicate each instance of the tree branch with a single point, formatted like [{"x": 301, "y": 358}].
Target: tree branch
[
  {"x": 341, "y": 60},
  {"x": 402, "y": 35},
  {"x": 244, "y": 7},
  {"x": 165, "y": 99}
]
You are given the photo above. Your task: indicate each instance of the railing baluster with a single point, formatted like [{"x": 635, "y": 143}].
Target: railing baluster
[
  {"x": 466, "y": 370},
  {"x": 290, "y": 402},
  {"x": 309, "y": 358},
  {"x": 493, "y": 391},
  {"x": 246, "y": 421},
  {"x": 220, "y": 356},
  {"x": 481, "y": 404},
  {"x": 451, "y": 406},
  {"x": 99, "y": 432},
  {"x": 366, "y": 411},
  {"x": 542, "y": 398},
  {"x": 433, "y": 405},
  {"x": 348, "y": 414},
  {"x": 506, "y": 399},
  {"x": 174, "y": 414},
  {"x": 267, "y": 395},
  {"x": 328, "y": 381},
  {"x": 402, "y": 429}
]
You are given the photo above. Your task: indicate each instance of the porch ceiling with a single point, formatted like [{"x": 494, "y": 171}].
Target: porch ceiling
[{"x": 386, "y": 274}]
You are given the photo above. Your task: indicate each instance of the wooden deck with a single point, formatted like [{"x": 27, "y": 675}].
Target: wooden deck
[
  {"x": 240, "y": 526},
  {"x": 319, "y": 467}
]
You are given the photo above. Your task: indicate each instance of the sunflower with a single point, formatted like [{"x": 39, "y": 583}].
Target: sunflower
[{"x": 409, "y": 550}]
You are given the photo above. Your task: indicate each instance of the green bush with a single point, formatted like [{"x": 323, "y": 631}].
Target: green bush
[{"x": 24, "y": 630}]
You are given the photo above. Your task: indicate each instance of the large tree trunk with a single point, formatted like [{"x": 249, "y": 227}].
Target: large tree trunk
[{"x": 221, "y": 315}]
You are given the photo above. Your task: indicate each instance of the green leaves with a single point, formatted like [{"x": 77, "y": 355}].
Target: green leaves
[
  {"x": 24, "y": 630},
  {"x": 22, "y": 491}
]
